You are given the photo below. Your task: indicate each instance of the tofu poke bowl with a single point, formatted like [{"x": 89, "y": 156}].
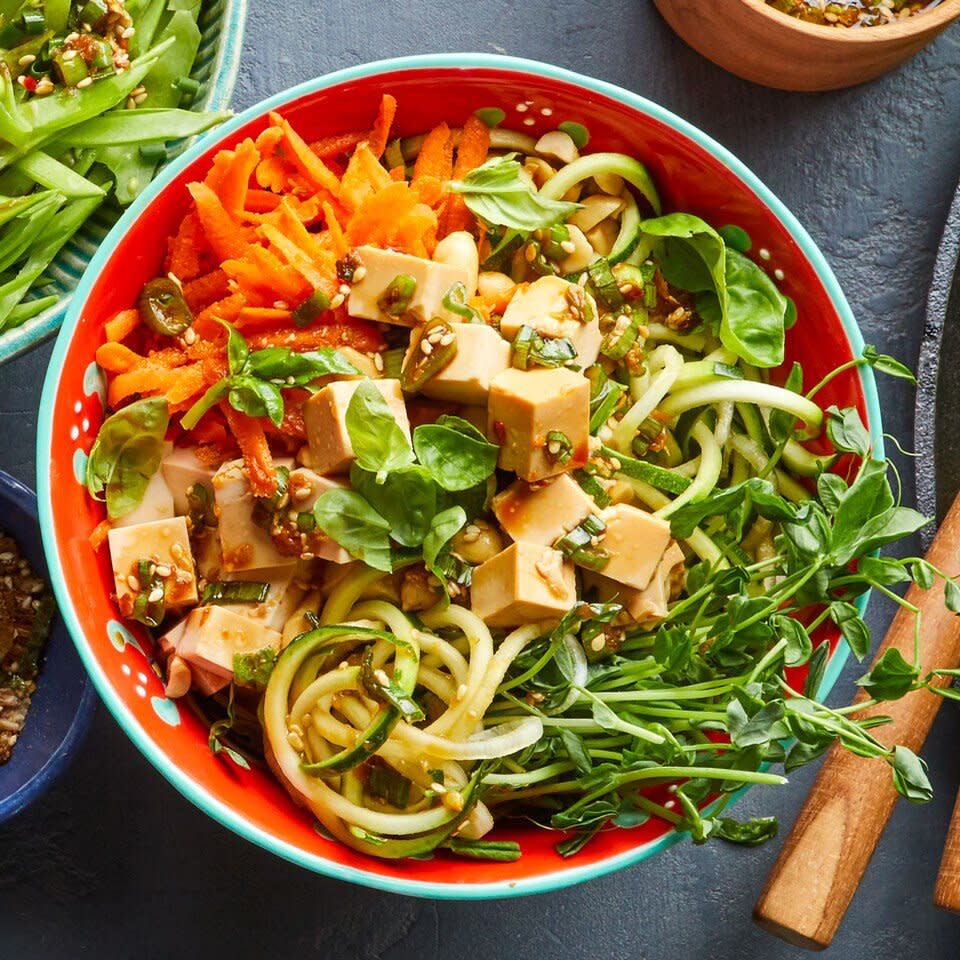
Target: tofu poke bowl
[{"x": 439, "y": 489}]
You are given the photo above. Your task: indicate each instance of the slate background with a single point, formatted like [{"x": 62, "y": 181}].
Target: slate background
[{"x": 113, "y": 863}]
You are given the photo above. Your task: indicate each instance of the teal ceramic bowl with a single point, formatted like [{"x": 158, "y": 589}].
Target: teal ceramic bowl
[
  {"x": 221, "y": 25},
  {"x": 693, "y": 173}
]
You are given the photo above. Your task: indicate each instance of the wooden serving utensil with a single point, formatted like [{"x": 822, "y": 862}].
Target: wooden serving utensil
[
  {"x": 946, "y": 894},
  {"x": 828, "y": 849}
]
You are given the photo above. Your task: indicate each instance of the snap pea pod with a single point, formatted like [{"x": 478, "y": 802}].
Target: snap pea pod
[
  {"x": 48, "y": 172},
  {"x": 138, "y": 126}
]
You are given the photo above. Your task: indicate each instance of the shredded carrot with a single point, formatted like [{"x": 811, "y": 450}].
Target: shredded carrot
[
  {"x": 252, "y": 441},
  {"x": 436, "y": 156},
  {"x": 236, "y": 179},
  {"x": 99, "y": 534},
  {"x": 226, "y": 309},
  {"x": 471, "y": 153},
  {"x": 362, "y": 335},
  {"x": 271, "y": 174},
  {"x": 122, "y": 325},
  {"x": 223, "y": 233},
  {"x": 337, "y": 145},
  {"x": 363, "y": 176},
  {"x": 340, "y": 245},
  {"x": 398, "y": 173},
  {"x": 380, "y": 213},
  {"x": 304, "y": 159},
  {"x": 203, "y": 291},
  {"x": 116, "y": 358},
  {"x": 258, "y": 318},
  {"x": 262, "y": 201},
  {"x": 184, "y": 249},
  {"x": 381, "y": 127}
]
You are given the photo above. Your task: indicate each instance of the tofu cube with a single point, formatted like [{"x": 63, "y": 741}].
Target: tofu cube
[
  {"x": 205, "y": 682},
  {"x": 213, "y": 634},
  {"x": 481, "y": 354},
  {"x": 556, "y": 308},
  {"x": 163, "y": 542},
  {"x": 243, "y": 544},
  {"x": 635, "y": 542},
  {"x": 542, "y": 513},
  {"x": 525, "y": 583},
  {"x": 525, "y": 405},
  {"x": 645, "y": 606},
  {"x": 157, "y": 504},
  {"x": 182, "y": 469},
  {"x": 283, "y": 597},
  {"x": 433, "y": 282},
  {"x": 324, "y": 416},
  {"x": 306, "y": 487}
]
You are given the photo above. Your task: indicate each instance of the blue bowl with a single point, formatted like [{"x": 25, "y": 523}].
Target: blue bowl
[{"x": 64, "y": 702}]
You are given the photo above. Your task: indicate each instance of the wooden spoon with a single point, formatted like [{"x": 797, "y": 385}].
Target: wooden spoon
[
  {"x": 821, "y": 863},
  {"x": 946, "y": 894}
]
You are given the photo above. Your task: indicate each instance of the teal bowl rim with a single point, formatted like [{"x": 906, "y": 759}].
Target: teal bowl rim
[
  {"x": 223, "y": 78},
  {"x": 566, "y": 875}
]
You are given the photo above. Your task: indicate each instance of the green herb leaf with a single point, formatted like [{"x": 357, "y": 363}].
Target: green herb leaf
[
  {"x": 281, "y": 363},
  {"x": 750, "y": 833},
  {"x": 126, "y": 454},
  {"x": 495, "y": 192},
  {"x": 910, "y": 776},
  {"x": 407, "y": 500},
  {"x": 346, "y": 517},
  {"x": 455, "y": 453},
  {"x": 854, "y": 630},
  {"x": 890, "y": 678},
  {"x": 847, "y": 432},
  {"x": 378, "y": 441},
  {"x": 888, "y": 365},
  {"x": 502, "y": 851},
  {"x": 254, "y": 669}
]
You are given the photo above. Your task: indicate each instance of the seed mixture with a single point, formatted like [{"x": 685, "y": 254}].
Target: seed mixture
[
  {"x": 26, "y": 609},
  {"x": 851, "y": 13}
]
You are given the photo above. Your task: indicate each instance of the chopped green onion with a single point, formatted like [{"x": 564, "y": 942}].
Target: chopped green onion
[
  {"x": 552, "y": 239},
  {"x": 623, "y": 335},
  {"x": 530, "y": 349},
  {"x": 187, "y": 86},
  {"x": 200, "y": 510},
  {"x": 311, "y": 309},
  {"x": 559, "y": 447},
  {"x": 306, "y": 522},
  {"x": 222, "y": 592},
  {"x": 384, "y": 783},
  {"x": 393, "y": 363},
  {"x": 146, "y": 611},
  {"x": 605, "y": 394},
  {"x": 34, "y": 21},
  {"x": 265, "y": 508},
  {"x": 456, "y": 302},
  {"x": 396, "y": 299},
  {"x": 592, "y": 486},
  {"x": 648, "y": 433},
  {"x": 71, "y": 71},
  {"x": 93, "y": 11},
  {"x": 605, "y": 284},
  {"x": 582, "y": 543}
]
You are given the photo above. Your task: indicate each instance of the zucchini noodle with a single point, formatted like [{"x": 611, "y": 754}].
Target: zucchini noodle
[{"x": 668, "y": 362}]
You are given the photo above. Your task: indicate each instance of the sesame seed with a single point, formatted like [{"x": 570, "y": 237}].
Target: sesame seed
[
  {"x": 86, "y": 81},
  {"x": 156, "y": 595},
  {"x": 461, "y": 691},
  {"x": 128, "y": 32},
  {"x": 190, "y": 336},
  {"x": 598, "y": 643},
  {"x": 568, "y": 246},
  {"x": 136, "y": 91},
  {"x": 176, "y": 550},
  {"x": 438, "y": 787},
  {"x": 295, "y": 742},
  {"x": 344, "y": 288},
  {"x": 26, "y": 59},
  {"x": 138, "y": 99},
  {"x": 163, "y": 570},
  {"x": 359, "y": 273},
  {"x": 378, "y": 361},
  {"x": 435, "y": 336},
  {"x": 426, "y": 346},
  {"x": 381, "y": 677},
  {"x": 615, "y": 464},
  {"x": 22, "y": 81},
  {"x": 530, "y": 253},
  {"x": 133, "y": 583},
  {"x": 554, "y": 447},
  {"x": 337, "y": 301},
  {"x": 70, "y": 55},
  {"x": 44, "y": 86}
]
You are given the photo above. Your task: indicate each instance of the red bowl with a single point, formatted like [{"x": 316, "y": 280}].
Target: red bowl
[{"x": 693, "y": 173}]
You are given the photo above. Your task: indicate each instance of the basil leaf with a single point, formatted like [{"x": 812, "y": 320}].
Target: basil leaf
[
  {"x": 455, "y": 458},
  {"x": 690, "y": 252},
  {"x": 378, "y": 441},
  {"x": 751, "y": 312},
  {"x": 254, "y": 669},
  {"x": 281, "y": 363},
  {"x": 237, "y": 349},
  {"x": 442, "y": 528},
  {"x": 407, "y": 500},
  {"x": 257, "y": 398},
  {"x": 346, "y": 517},
  {"x": 126, "y": 454},
  {"x": 495, "y": 193}
]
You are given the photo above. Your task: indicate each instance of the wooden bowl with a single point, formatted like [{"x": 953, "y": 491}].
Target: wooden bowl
[{"x": 757, "y": 42}]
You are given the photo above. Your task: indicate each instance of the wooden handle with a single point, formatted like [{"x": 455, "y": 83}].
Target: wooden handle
[
  {"x": 821, "y": 863},
  {"x": 946, "y": 894}
]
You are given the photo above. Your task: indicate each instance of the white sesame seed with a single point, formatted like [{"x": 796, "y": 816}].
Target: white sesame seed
[
  {"x": 378, "y": 361},
  {"x": 138, "y": 99},
  {"x": 337, "y": 301},
  {"x": 435, "y": 336},
  {"x": 426, "y": 346},
  {"x": 554, "y": 447},
  {"x": 26, "y": 59},
  {"x": 86, "y": 81},
  {"x": 344, "y": 288},
  {"x": 437, "y": 787},
  {"x": 461, "y": 691},
  {"x": 381, "y": 677},
  {"x": 22, "y": 81},
  {"x": 133, "y": 583},
  {"x": 568, "y": 246},
  {"x": 128, "y": 33},
  {"x": 70, "y": 55},
  {"x": 163, "y": 570},
  {"x": 190, "y": 336},
  {"x": 156, "y": 595},
  {"x": 598, "y": 643},
  {"x": 359, "y": 273}
]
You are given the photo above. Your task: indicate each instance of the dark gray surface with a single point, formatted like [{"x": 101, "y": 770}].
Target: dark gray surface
[{"x": 114, "y": 863}]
